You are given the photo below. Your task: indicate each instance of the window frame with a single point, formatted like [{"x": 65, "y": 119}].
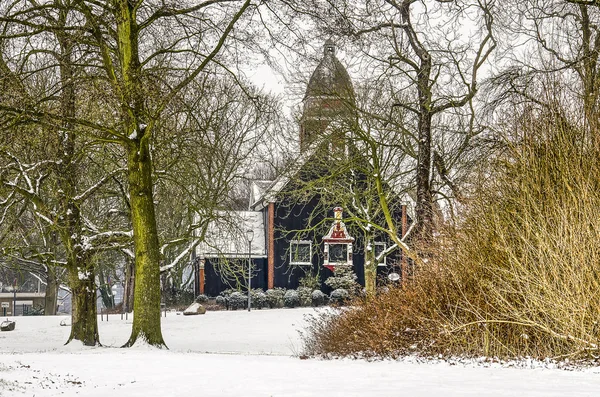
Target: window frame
[
  {"x": 348, "y": 261},
  {"x": 384, "y": 261},
  {"x": 297, "y": 243}
]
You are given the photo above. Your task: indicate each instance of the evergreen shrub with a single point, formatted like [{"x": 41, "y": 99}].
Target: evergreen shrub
[
  {"x": 291, "y": 298},
  {"x": 275, "y": 297}
]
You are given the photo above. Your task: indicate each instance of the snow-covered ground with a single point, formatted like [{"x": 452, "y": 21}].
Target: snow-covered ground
[{"x": 244, "y": 354}]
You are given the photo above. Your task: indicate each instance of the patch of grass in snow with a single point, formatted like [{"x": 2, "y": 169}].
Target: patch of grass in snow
[{"x": 9, "y": 385}]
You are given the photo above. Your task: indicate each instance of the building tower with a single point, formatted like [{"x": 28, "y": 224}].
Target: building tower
[{"x": 329, "y": 96}]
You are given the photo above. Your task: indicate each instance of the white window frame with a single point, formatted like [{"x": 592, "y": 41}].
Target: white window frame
[
  {"x": 384, "y": 261},
  {"x": 348, "y": 261},
  {"x": 299, "y": 242}
]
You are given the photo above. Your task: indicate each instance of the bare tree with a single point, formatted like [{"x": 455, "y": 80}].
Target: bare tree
[
  {"x": 415, "y": 48},
  {"x": 46, "y": 63},
  {"x": 216, "y": 130},
  {"x": 551, "y": 53},
  {"x": 142, "y": 56}
]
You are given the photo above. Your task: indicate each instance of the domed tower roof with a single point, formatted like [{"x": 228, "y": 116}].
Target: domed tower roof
[
  {"x": 329, "y": 97},
  {"x": 330, "y": 77}
]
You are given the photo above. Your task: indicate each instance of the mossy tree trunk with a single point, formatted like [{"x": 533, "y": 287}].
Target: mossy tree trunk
[
  {"x": 138, "y": 130},
  {"x": 139, "y": 109},
  {"x": 146, "y": 303},
  {"x": 81, "y": 274},
  {"x": 84, "y": 320}
]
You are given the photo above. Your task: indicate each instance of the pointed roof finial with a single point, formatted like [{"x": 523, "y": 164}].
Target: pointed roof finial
[{"x": 329, "y": 47}]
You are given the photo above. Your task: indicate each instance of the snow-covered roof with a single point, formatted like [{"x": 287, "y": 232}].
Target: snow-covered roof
[
  {"x": 228, "y": 236},
  {"x": 257, "y": 190},
  {"x": 22, "y": 295}
]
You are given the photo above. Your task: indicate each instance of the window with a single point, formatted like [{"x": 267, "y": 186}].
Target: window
[
  {"x": 338, "y": 253},
  {"x": 300, "y": 252},
  {"x": 379, "y": 248}
]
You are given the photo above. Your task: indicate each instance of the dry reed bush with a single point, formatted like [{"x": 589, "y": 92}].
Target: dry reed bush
[
  {"x": 366, "y": 328},
  {"x": 520, "y": 275},
  {"x": 399, "y": 321},
  {"x": 529, "y": 249}
]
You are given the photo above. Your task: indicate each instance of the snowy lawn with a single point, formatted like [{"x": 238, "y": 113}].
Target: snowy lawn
[{"x": 243, "y": 354}]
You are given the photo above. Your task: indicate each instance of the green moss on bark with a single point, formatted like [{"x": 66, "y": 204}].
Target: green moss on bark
[
  {"x": 146, "y": 304},
  {"x": 84, "y": 320}
]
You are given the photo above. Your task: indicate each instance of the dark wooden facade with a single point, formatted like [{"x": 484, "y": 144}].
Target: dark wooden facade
[
  {"x": 214, "y": 283},
  {"x": 301, "y": 222},
  {"x": 305, "y": 218},
  {"x": 292, "y": 221}
]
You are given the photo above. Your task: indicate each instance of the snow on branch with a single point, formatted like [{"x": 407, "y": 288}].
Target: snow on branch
[
  {"x": 33, "y": 196},
  {"x": 83, "y": 196},
  {"x": 24, "y": 171},
  {"x": 98, "y": 241},
  {"x": 164, "y": 247},
  {"x": 7, "y": 199},
  {"x": 386, "y": 252},
  {"x": 44, "y": 217},
  {"x": 128, "y": 252},
  {"x": 7, "y": 204},
  {"x": 29, "y": 265},
  {"x": 183, "y": 254},
  {"x": 412, "y": 254},
  {"x": 32, "y": 166},
  {"x": 89, "y": 224},
  {"x": 189, "y": 231}
]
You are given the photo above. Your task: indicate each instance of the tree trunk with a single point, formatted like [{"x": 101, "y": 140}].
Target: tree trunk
[
  {"x": 84, "y": 320},
  {"x": 81, "y": 277},
  {"x": 129, "y": 286},
  {"x": 146, "y": 304},
  {"x": 108, "y": 300},
  {"x": 370, "y": 265},
  {"x": 424, "y": 205},
  {"x": 589, "y": 74},
  {"x": 51, "y": 297}
]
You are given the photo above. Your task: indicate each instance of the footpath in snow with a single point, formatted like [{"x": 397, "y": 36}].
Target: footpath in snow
[{"x": 244, "y": 354}]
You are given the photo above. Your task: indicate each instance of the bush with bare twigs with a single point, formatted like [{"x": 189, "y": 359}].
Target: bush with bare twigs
[{"x": 518, "y": 276}]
